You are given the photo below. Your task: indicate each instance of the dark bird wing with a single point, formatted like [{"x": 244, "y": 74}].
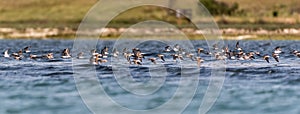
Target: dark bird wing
[
  {"x": 180, "y": 57},
  {"x": 237, "y": 45},
  {"x": 174, "y": 57},
  {"x": 162, "y": 58},
  {"x": 139, "y": 63},
  {"x": 167, "y": 47},
  {"x": 199, "y": 50},
  {"x": 267, "y": 58},
  {"x": 206, "y": 52},
  {"x": 276, "y": 58},
  {"x": 298, "y": 55},
  {"x": 26, "y": 48},
  {"x": 153, "y": 61}
]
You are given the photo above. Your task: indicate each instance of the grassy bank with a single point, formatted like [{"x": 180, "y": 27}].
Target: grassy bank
[{"x": 69, "y": 13}]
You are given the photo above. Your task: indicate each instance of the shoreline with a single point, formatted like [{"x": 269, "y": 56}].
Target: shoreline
[{"x": 114, "y": 33}]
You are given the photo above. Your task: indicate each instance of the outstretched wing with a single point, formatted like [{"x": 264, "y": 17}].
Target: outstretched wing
[
  {"x": 276, "y": 58},
  {"x": 267, "y": 59},
  {"x": 237, "y": 45},
  {"x": 162, "y": 58}
]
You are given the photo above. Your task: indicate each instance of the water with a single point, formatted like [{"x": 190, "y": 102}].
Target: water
[{"x": 48, "y": 86}]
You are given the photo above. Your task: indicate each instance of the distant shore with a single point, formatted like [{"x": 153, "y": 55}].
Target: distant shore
[{"x": 69, "y": 33}]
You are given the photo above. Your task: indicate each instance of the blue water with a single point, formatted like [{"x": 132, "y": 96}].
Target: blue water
[{"x": 48, "y": 86}]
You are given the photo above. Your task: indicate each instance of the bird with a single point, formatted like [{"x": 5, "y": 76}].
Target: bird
[
  {"x": 93, "y": 60},
  {"x": 246, "y": 57},
  {"x": 80, "y": 55},
  {"x": 153, "y": 60},
  {"x": 249, "y": 56},
  {"x": 182, "y": 51},
  {"x": 102, "y": 60},
  {"x": 167, "y": 49},
  {"x": 190, "y": 55},
  {"x": 276, "y": 57},
  {"x": 225, "y": 50},
  {"x": 104, "y": 52},
  {"x": 125, "y": 50},
  {"x": 26, "y": 49},
  {"x": 240, "y": 54},
  {"x": 257, "y": 53},
  {"x": 266, "y": 57},
  {"x": 176, "y": 47},
  {"x": 277, "y": 50},
  {"x": 215, "y": 47},
  {"x": 177, "y": 56},
  {"x": 46, "y": 56},
  {"x": 161, "y": 57},
  {"x": 34, "y": 56},
  {"x": 231, "y": 55},
  {"x": 18, "y": 55},
  {"x": 115, "y": 53},
  {"x": 94, "y": 52},
  {"x": 49, "y": 56},
  {"x": 276, "y": 53},
  {"x": 220, "y": 56},
  {"x": 137, "y": 62},
  {"x": 6, "y": 55},
  {"x": 137, "y": 54},
  {"x": 201, "y": 50},
  {"x": 237, "y": 46},
  {"x": 296, "y": 53},
  {"x": 66, "y": 54},
  {"x": 127, "y": 57},
  {"x": 17, "y": 58},
  {"x": 199, "y": 61}
]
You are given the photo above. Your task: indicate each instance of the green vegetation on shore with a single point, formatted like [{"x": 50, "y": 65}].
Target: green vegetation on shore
[
  {"x": 228, "y": 13},
  {"x": 43, "y": 13},
  {"x": 67, "y": 14}
]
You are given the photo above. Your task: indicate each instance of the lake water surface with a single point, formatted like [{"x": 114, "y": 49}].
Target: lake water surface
[{"x": 250, "y": 87}]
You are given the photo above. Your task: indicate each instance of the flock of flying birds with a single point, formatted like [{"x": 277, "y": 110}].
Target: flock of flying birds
[{"x": 136, "y": 56}]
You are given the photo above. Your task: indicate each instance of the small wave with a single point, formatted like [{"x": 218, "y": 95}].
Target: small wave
[{"x": 58, "y": 73}]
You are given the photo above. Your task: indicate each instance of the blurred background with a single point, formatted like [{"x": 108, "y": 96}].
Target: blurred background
[{"x": 234, "y": 17}]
